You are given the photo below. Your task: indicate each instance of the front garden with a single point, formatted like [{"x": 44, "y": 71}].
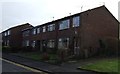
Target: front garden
[{"x": 50, "y": 58}]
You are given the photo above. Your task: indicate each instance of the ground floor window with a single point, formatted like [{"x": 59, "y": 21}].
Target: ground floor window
[
  {"x": 63, "y": 43},
  {"x": 33, "y": 44},
  {"x": 8, "y": 42},
  {"x": 26, "y": 43},
  {"x": 44, "y": 43},
  {"x": 51, "y": 44}
]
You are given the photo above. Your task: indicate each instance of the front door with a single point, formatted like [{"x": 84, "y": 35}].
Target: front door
[
  {"x": 76, "y": 46},
  {"x": 40, "y": 45}
]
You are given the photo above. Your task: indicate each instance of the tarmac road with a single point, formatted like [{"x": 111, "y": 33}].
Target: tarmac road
[{"x": 10, "y": 67}]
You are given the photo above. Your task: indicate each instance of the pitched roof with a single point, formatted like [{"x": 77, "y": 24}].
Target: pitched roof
[
  {"x": 78, "y": 14},
  {"x": 18, "y": 26}
]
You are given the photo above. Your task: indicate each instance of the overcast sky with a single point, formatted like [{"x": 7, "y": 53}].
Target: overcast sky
[{"x": 36, "y": 12}]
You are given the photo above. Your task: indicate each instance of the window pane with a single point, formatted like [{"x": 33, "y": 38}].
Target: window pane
[
  {"x": 63, "y": 43},
  {"x": 8, "y": 32},
  {"x": 38, "y": 30},
  {"x": 26, "y": 33},
  {"x": 33, "y": 43},
  {"x": 76, "y": 21},
  {"x": 44, "y": 29},
  {"x": 51, "y": 27},
  {"x": 5, "y": 34},
  {"x": 7, "y": 42},
  {"x": 64, "y": 24},
  {"x": 27, "y": 43},
  {"x": 34, "y": 31},
  {"x": 51, "y": 43}
]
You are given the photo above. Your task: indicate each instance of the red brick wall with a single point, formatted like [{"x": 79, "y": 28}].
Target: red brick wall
[
  {"x": 97, "y": 24},
  {"x": 16, "y": 35}
]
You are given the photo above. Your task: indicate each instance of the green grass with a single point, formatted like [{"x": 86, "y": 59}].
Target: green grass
[
  {"x": 107, "y": 65},
  {"x": 53, "y": 56},
  {"x": 37, "y": 56},
  {"x": 32, "y": 55}
]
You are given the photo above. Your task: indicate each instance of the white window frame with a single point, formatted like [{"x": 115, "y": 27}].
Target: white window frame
[
  {"x": 44, "y": 28},
  {"x": 8, "y": 32},
  {"x": 65, "y": 24},
  {"x": 51, "y": 44},
  {"x": 5, "y": 34},
  {"x": 26, "y": 33},
  {"x": 38, "y": 30},
  {"x": 61, "y": 44},
  {"x": 7, "y": 43},
  {"x": 76, "y": 21},
  {"x": 27, "y": 43},
  {"x": 34, "y": 31},
  {"x": 33, "y": 44},
  {"x": 51, "y": 27}
]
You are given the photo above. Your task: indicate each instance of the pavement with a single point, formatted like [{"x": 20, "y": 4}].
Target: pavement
[{"x": 46, "y": 67}]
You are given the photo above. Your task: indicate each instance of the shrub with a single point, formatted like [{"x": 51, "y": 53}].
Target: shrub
[
  {"x": 62, "y": 55},
  {"x": 45, "y": 56}
]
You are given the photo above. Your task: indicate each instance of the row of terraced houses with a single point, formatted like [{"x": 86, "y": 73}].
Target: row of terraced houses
[{"x": 80, "y": 33}]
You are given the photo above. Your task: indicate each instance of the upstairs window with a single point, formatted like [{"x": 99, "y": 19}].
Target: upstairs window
[
  {"x": 26, "y": 33},
  {"x": 38, "y": 30},
  {"x": 76, "y": 21},
  {"x": 8, "y": 32},
  {"x": 34, "y": 31},
  {"x": 51, "y": 27},
  {"x": 64, "y": 24},
  {"x": 5, "y": 34},
  {"x": 44, "y": 29}
]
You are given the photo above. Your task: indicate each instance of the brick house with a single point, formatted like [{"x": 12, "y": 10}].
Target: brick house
[
  {"x": 13, "y": 36},
  {"x": 79, "y": 34}
]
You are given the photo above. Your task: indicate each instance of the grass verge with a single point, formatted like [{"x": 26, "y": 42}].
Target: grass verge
[
  {"x": 106, "y": 65},
  {"x": 38, "y": 56}
]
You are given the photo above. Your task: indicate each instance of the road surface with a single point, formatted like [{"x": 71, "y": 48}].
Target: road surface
[{"x": 12, "y": 67}]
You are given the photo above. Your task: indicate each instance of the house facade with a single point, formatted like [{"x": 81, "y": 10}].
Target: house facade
[
  {"x": 13, "y": 36},
  {"x": 78, "y": 34}
]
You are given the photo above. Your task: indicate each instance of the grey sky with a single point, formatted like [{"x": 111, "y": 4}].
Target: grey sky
[{"x": 36, "y": 12}]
